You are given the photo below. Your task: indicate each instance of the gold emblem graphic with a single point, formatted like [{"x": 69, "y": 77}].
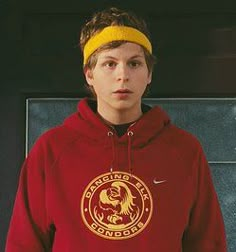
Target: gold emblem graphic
[{"x": 116, "y": 206}]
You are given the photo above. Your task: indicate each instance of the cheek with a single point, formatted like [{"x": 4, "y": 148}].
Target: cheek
[
  {"x": 100, "y": 88},
  {"x": 142, "y": 79}
]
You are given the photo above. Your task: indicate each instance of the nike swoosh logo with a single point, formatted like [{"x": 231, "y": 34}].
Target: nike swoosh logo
[{"x": 156, "y": 182}]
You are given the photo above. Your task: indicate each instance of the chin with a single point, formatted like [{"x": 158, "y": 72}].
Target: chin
[{"x": 123, "y": 105}]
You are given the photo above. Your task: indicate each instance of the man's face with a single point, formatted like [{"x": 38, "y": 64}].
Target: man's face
[{"x": 119, "y": 78}]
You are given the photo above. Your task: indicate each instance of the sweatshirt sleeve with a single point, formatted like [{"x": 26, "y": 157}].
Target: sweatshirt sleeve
[
  {"x": 205, "y": 231},
  {"x": 30, "y": 228}
]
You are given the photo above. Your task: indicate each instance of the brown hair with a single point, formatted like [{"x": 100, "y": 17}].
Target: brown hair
[{"x": 109, "y": 17}]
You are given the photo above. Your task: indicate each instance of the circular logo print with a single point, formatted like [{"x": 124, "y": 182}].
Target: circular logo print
[{"x": 116, "y": 206}]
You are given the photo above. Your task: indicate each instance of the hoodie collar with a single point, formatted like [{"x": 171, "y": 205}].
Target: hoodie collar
[{"x": 87, "y": 123}]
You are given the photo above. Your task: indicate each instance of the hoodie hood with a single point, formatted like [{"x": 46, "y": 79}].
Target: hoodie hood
[{"x": 88, "y": 124}]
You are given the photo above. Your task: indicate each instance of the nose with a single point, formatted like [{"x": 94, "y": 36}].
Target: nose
[{"x": 122, "y": 73}]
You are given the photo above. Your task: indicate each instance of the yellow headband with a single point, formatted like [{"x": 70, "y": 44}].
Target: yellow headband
[{"x": 115, "y": 33}]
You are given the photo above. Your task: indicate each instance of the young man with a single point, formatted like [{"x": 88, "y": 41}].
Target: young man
[{"x": 117, "y": 175}]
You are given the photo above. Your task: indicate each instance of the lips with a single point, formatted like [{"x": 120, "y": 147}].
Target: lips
[{"x": 122, "y": 91}]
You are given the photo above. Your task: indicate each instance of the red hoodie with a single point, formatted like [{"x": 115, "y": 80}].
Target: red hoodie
[{"x": 83, "y": 188}]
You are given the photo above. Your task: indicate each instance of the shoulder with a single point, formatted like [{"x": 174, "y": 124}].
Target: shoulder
[
  {"x": 58, "y": 134},
  {"x": 182, "y": 139},
  {"x": 54, "y": 140},
  {"x": 181, "y": 134}
]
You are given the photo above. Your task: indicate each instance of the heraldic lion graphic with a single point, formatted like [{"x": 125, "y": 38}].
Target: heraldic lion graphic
[{"x": 116, "y": 207}]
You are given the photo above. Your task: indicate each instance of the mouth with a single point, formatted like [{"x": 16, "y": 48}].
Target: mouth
[{"x": 123, "y": 91}]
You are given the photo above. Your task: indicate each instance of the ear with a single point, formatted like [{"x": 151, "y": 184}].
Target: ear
[
  {"x": 149, "y": 78},
  {"x": 88, "y": 75}
]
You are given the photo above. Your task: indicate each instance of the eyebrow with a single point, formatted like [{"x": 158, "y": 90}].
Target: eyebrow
[{"x": 114, "y": 58}]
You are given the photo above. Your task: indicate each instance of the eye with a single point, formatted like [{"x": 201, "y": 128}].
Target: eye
[
  {"x": 135, "y": 63},
  {"x": 109, "y": 64}
]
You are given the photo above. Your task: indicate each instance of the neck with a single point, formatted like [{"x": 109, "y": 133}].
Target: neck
[{"x": 116, "y": 117}]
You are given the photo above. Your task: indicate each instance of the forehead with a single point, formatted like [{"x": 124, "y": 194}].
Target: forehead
[{"x": 126, "y": 50}]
